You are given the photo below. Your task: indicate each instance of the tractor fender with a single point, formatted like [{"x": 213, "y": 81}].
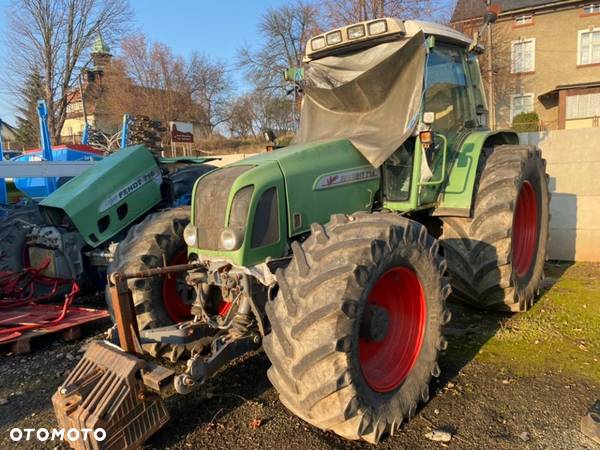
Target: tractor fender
[{"x": 456, "y": 196}]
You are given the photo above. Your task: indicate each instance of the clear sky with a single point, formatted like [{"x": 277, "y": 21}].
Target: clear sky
[{"x": 216, "y": 28}]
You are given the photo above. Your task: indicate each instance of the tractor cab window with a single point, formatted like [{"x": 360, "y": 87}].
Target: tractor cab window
[
  {"x": 397, "y": 173},
  {"x": 446, "y": 91}
]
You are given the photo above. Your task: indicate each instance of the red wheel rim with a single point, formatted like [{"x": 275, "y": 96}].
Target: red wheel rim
[
  {"x": 176, "y": 308},
  {"x": 386, "y": 364},
  {"x": 525, "y": 230}
]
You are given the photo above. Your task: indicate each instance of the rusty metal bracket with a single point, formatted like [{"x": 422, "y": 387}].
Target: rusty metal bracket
[{"x": 122, "y": 301}]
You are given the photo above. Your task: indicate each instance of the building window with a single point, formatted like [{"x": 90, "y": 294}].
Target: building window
[
  {"x": 523, "y": 20},
  {"x": 521, "y": 103},
  {"x": 589, "y": 47},
  {"x": 74, "y": 107},
  {"x": 583, "y": 106},
  {"x": 523, "y": 56},
  {"x": 592, "y": 8}
]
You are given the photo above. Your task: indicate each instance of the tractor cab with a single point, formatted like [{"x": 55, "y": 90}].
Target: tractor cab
[{"x": 406, "y": 93}]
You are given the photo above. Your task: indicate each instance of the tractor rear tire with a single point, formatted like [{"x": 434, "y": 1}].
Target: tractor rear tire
[
  {"x": 157, "y": 300},
  {"x": 496, "y": 258},
  {"x": 335, "y": 362}
]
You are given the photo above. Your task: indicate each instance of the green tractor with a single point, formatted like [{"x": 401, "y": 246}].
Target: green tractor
[
  {"x": 337, "y": 253},
  {"x": 73, "y": 233}
]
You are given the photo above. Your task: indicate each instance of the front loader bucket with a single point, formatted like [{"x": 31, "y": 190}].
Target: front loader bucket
[{"x": 106, "y": 391}]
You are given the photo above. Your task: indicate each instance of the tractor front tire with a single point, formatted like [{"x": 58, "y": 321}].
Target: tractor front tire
[
  {"x": 158, "y": 301},
  {"x": 496, "y": 257},
  {"x": 356, "y": 324}
]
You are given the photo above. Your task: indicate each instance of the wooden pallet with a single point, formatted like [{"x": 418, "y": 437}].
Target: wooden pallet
[{"x": 70, "y": 327}]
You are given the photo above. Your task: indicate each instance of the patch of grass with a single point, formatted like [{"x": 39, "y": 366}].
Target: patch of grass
[{"x": 560, "y": 333}]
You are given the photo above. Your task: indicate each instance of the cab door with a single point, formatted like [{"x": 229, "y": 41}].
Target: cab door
[{"x": 449, "y": 97}]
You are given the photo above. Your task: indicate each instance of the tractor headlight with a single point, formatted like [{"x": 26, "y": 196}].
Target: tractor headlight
[
  {"x": 189, "y": 235},
  {"x": 231, "y": 239}
]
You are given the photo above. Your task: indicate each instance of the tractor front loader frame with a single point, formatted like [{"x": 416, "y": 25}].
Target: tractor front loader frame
[{"x": 119, "y": 390}]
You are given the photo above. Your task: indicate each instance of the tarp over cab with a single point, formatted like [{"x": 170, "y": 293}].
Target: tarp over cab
[{"x": 371, "y": 97}]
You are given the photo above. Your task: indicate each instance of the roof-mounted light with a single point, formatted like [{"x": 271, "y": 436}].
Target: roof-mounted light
[
  {"x": 356, "y": 32},
  {"x": 355, "y": 36},
  {"x": 377, "y": 27}
]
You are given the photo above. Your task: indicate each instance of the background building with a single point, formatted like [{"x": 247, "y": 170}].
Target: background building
[
  {"x": 8, "y": 136},
  {"x": 542, "y": 56},
  {"x": 92, "y": 90}
]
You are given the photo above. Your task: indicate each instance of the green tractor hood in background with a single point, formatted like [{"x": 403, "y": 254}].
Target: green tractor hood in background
[{"x": 107, "y": 197}]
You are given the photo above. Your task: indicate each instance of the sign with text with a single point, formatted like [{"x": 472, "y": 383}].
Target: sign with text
[{"x": 182, "y": 132}]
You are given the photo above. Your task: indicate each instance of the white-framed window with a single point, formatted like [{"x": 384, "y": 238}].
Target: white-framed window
[
  {"x": 523, "y": 20},
  {"x": 521, "y": 103},
  {"x": 583, "y": 106},
  {"x": 588, "y": 47},
  {"x": 523, "y": 56},
  {"x": 592, "y": 8},
  {"x": 74, "y": 107}
]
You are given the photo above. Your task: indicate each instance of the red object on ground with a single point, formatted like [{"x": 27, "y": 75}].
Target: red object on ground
[
  {"x": 21, "y": 315},
  {"x": 13, "y": 321}
]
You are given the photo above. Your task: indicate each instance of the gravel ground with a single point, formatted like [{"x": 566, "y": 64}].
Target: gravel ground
[{"x": 484, "y": 398}]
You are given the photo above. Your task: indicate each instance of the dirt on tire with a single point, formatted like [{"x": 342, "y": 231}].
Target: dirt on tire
[
  {"x": 480, "y": 250},
  {"x": 317, "y": 315}
]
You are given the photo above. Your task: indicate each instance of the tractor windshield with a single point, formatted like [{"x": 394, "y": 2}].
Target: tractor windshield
[{"x": 371, "y": 96}]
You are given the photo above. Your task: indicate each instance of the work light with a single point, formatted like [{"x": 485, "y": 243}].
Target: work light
[
  {"x": 317, "y": 43},
  {"x": 356, "y": 31},
  {"x": 334, "y": 38},
  {"x": 377, "y": 27}
]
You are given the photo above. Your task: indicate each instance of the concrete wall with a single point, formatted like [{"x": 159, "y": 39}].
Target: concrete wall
[
  {"x": 228, "y": 159},
  {"x": 573, "y": 158}
]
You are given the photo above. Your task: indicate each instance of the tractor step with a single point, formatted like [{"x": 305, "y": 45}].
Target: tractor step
[{"x": 111, "y": 391}]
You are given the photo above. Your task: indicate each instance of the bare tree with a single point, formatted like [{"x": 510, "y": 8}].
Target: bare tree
[
  {"x": 344, "y": 12},
  {"x": 149, "y": 79},
  {"x": 211, "y": 88},
  {"x": 285, "y": 31},
  {"x": 241, "y": 117},
  {"x": 56, "y": 36}
]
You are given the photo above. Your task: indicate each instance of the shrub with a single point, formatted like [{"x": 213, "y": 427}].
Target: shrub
[{"x": 526, "y": 122}]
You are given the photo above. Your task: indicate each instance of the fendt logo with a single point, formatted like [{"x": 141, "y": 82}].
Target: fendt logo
[{"x": 57, "y": 434}]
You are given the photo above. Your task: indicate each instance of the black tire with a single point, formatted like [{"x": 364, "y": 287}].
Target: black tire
[
  {"x": 182, "y": 180},
  {"x": 316, "y": 318},
  {"x": 13, "y": 232},
  {"x": 158, "y": 238},
  {"x": 485, "y": 259}
]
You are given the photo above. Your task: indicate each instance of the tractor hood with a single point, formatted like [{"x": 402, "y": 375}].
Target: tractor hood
[
  {"x": 107, "y": 197},
  {"x": 275, "y": 195},
  {"x": 371, "y": 97}
]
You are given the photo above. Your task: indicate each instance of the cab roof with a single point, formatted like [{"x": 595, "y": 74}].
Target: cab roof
[{"x": 358, "y": 35}]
